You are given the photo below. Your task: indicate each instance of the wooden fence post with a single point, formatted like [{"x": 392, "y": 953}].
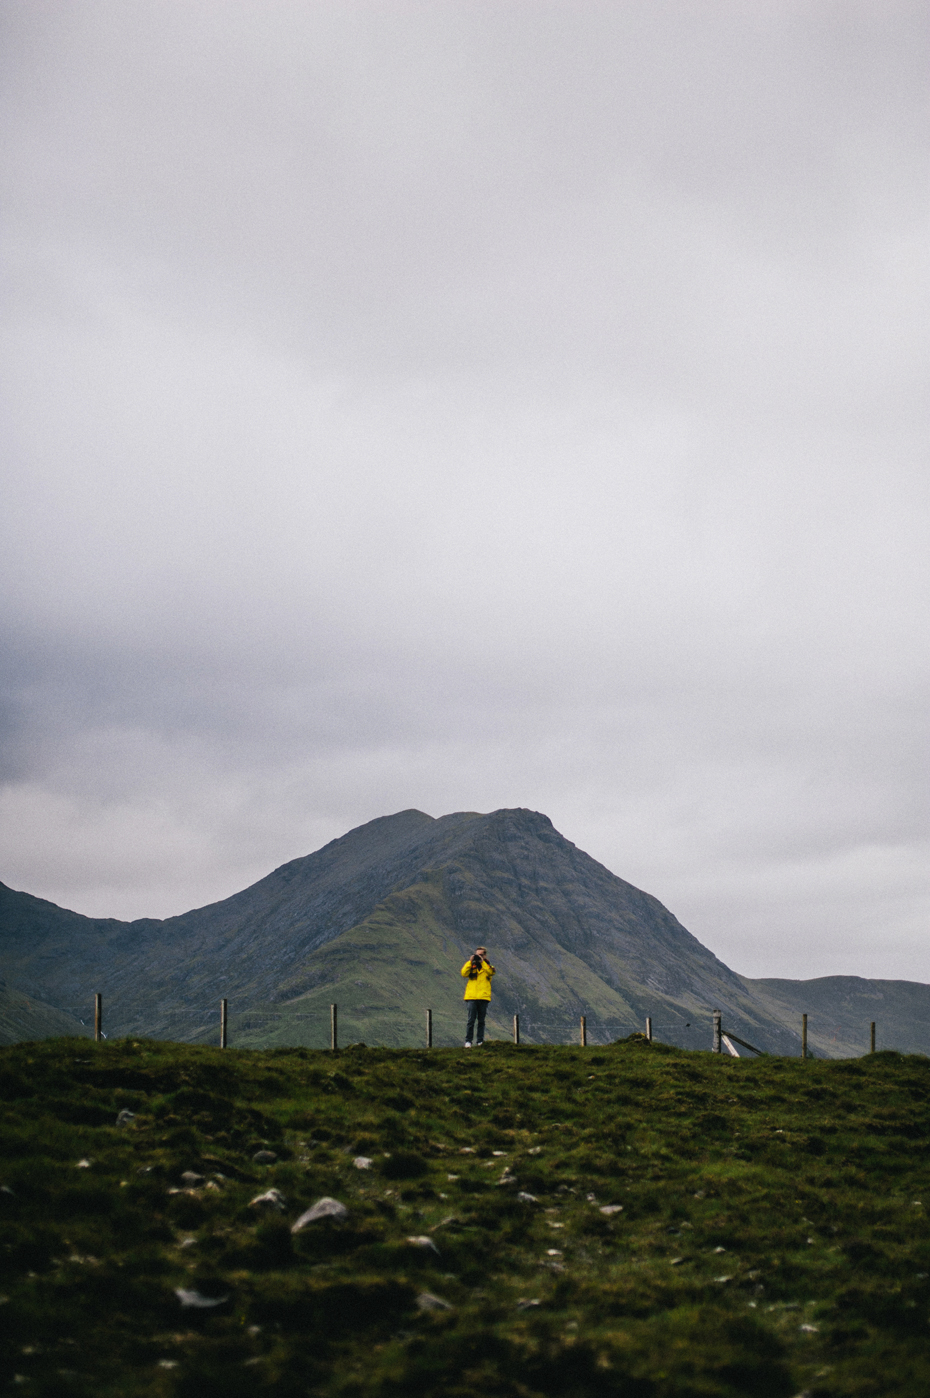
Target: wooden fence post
[
  {"x": 804, "y": 1036},
  {"x": 333, "y": 1029},
  {"x": 224, "y": 1007},
  {"x": 584, "y": 1031},
  {"x": 429, "y": 1029},
  {"x": 98, "y": 1017},
  {"x": 872, "y": 1038},
  {"x": 716, "y": 1048},
  {"x": 649, "y": 1028},
  {"x": 516, "y": 1029}
]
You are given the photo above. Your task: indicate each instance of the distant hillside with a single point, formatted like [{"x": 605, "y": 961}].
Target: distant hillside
[
  {"x": 23, "y": 1018},
  {"x": 841, "y": 1008},
  {"x": 380, "y": 921}
]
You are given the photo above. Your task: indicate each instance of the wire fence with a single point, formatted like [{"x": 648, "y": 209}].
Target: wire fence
[{"x": 396, "y": 1027}]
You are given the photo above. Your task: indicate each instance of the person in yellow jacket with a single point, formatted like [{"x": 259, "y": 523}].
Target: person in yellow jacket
[{"x": 477, "y": 973}]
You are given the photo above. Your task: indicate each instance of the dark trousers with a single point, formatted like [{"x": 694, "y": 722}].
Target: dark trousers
[{"x": 477, "y": 1009}]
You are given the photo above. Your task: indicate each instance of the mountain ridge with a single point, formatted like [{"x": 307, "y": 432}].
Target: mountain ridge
[{"x": 413, "y": 893}]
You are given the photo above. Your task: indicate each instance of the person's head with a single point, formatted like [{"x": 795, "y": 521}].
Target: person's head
[{"x": 481, "y": 951}]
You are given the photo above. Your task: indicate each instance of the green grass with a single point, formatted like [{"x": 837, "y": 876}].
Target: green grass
[{"x": 772, "y": 1240}]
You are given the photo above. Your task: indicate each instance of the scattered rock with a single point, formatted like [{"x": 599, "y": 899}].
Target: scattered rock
[
  {"x": 363, "y": 1162},
  {"x": 323, "y": 1208},
  {"x": 451, "y": 1178},
  {"x": 553, "y": 1252},
  {"x": 167, "y": 1363},
  {"x": 719, "y": 1249},
  {"x": 83, "y": 1164},
  {"x": 5, "y": 1189},
  {"x": 498, "y": 1152},
  {"x": 724, "y": 1279},
  {"x": 675, "y": 1261},
  {"x": 609, "y": 1209},
  {"x": 187, "y": 1243},
  {"x": 264, "y": 1157},
  {"x": 426, "y": 1301},
  {"x": 534, "y": 1150},
  {"x": 192, "y": 1179},
  {"x": 527, "y": 1198},
  {"x": 466, "y": 1150},
  {"x": 424, "y": 1242},
  {"x": 197, "y": 1301},
  {"x": 524, "y": 1303},
  {"x": 125, "y": 1117},
  {"x": 809, "y": 1329},
  {"x": 271, "y": 1199}
]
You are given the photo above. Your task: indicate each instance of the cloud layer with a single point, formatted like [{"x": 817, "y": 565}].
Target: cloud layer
[{"x": 461, "y": 406}]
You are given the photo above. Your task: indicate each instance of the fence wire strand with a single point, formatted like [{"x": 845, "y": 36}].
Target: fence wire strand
[{"x": 565, "y": 1030}]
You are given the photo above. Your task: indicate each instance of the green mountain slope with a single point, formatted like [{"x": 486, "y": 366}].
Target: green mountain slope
[
  {"x": 380, "y": 921},
  {"x": 840, "y": 1010},
  {"x": 22, "y": 1018}
]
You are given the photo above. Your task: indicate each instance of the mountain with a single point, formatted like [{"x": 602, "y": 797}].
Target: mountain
[
  {"x": 840, "y": 1010},
  {"x": 379, "y": 921},
  {"x": 23, "y": 1018}
]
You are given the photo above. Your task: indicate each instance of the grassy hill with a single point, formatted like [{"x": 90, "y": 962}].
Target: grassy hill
[{"x": 635, "y": 1221}]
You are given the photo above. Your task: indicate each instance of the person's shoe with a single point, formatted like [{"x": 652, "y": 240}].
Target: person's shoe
[
  {"x": 467, "y": 1043},
  {"x": 480, "y": 1044}
]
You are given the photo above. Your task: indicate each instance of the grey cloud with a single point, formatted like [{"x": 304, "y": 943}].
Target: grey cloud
[{"x": 465, "y": 406}]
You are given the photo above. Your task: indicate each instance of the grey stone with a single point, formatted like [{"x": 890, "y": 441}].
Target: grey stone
[
  {"x": 424, "y": 1242},
  {"x": 192, "y": 1179},
  {"x": 323, "y": 1208},
  {"x": 271, "y": 1199},
  {"x": 426, "y": 1301},
  {"x": 197, "y": 1301},
  {"x": 264, "y": 1157},
  {"x": 125, "y": 1117}
]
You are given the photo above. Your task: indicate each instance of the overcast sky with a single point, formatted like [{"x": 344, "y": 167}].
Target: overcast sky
[{"x": 464, "y": 405}]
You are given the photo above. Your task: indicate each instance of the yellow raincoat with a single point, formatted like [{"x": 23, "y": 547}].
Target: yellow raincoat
[{"x": 480, "y": 987}]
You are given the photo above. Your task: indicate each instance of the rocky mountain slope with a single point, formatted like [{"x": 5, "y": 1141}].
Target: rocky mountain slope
[{"x": 380, "y": 921}]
